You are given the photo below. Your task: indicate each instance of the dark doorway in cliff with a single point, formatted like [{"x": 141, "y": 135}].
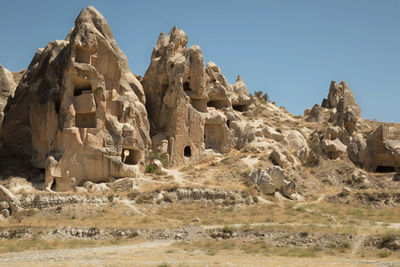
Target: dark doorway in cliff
[
  {"x": 385, "y": 169},
  {"x": 186, "y": 87},
  {"x": 130, "y": 156},
  {"x": 187, "y": 152},
  {"x": 78, "y": 90},
  {"x": 240, "y": 108},
  {"x": 85, "y": 120},
  {"x": 218, "y": 104},
  {"x": 82, "y": 55}
]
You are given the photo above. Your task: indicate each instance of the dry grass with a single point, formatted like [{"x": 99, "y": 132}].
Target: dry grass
[
  {"x": 13, "y": 245},
  {"x": 321, "y": 217}
]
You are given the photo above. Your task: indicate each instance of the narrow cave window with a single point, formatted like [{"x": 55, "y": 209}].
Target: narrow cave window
[
  {"x": 218, "y": 104},
  {"x": 82, "y": 90},
  {"x": 82, "y": 55},
  {"x": 85, "y": 120},
  {"x": 187, "y": 152},
  {"x": 130, "y": 156},
  {"x": 385, "y": 169},
  {"x": 228, "y": 123},
  {"x": 240, "y": 108},
  {"x": 186, "y": 87}
]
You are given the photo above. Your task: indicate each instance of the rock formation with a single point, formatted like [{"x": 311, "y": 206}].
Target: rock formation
[
  {"x": 79, "y": 111},
  {"x": 7, "y": 87},
  {"x": 379, "y": 152},
  {"x": 186, "y": 102},
  {"x": 339, "y": 108},
  {"x": 347, "y": 111}
]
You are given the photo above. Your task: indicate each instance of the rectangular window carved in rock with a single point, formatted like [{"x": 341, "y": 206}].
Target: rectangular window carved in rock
[
  {"x": 82, "y": 55},
  {"x": 85, "y": 120}
]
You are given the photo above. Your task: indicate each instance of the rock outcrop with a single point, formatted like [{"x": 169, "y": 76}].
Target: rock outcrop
[
  {"x": 379, "y": 152},
  {"x": 7, "y": 87},
  {"x": 272, "y": 180},
  {"x": 187, "y": 103},
  {"x": 79, "y": 112},
  {"x": 347, "y": 111}
]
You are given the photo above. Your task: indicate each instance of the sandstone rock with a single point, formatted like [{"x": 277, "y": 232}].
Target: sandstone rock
[
  {"x": 79, "y": 103},
  {"x": 240, "y": 97},
  {"x": 333, "y": 148},
  {"x": 360, "y": 178},
  {"x": 124, "y": 185},
  {"x": 347, "y": 112},
  {"x": 263, "y": 180},
  {"x": 382, "y": 150},
  {"x": 279, "y": 158},
  {"x": 175, "y": 88},
  {"x": 157, "y": 165},
  {"x": 4, "y": 205},
  {"x": 357, "y": 149},
  {"x": 316, "y": 114},
  {"x": 272, "y": 180},
  {"x": 79, "y": 189},
  {"x": 289, "y": 188},
  {"x": 219, "y": 88},
  {"x": 186, "y": 102},
  {"x": 7, "y": 87},
  {"x": 6, "y": 195},
  {"x": 96, "y": 188},
  {"x": 296, "y": 144},
  {"x": 271, "y": 133},
  {"x": 5, "y": 213}
]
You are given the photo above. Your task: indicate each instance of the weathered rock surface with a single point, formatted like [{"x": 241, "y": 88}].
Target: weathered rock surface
[
  {"x": 347, "y": 111},
  {"x": 185, "y": 102},
  {"x": 333, "y": 148},
  {"x": 296, "y": 144},
  {"x": 381, "y": 150},
  {"x": 79, "y": 111},
  {"x": 7, "y": 88},
  {"x": 272, "y": 180}
]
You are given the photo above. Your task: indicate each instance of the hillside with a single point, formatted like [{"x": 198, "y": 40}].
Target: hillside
[{"x": 93, "y": 155}]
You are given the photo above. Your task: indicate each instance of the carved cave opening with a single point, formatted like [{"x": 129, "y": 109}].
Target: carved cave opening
[
  {"x": 82, "y": 89},
  {"x": 240, "y": 108},
  {"x": 385, "y": 169},
  {"x": 187, "y": 152},
  {"x": 82, "y": 55},
  {"x": 130, "y": 156},
  {"x": 218, "y": 104},
  {"x": 186, "y": 87},
  {"x": 85, "y": 120},
  {"x": 213, "y": 137}
]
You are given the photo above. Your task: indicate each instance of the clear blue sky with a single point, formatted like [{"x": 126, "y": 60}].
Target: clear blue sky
[{"x": 290, "y": 49}]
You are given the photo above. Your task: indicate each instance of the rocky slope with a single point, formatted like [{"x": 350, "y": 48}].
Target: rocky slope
[{"x": 80, "y": 121}]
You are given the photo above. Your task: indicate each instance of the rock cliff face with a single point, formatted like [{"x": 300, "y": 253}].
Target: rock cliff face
[
  {"x": 186, "y": 102},
  {"x": 80, "y": 114},
  {"x": 7, "y": 87},
  {"x": 79, "y": 111},
  {"x": 379, "y": 152}
]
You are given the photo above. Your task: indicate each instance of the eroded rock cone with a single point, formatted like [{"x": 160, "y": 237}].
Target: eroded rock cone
[
  {"x": 342, "y": 99},
  {"x": 190, "y": 106},
  {"x": 79, "y": 111}
]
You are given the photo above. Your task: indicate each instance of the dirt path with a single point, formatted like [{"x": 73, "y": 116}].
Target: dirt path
[{"x": 164, "y": 252}]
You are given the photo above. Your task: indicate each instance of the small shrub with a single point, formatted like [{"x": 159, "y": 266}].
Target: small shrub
[
  {"x": 228, "y": 229},
  {"x": 150, "y": 169}
]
